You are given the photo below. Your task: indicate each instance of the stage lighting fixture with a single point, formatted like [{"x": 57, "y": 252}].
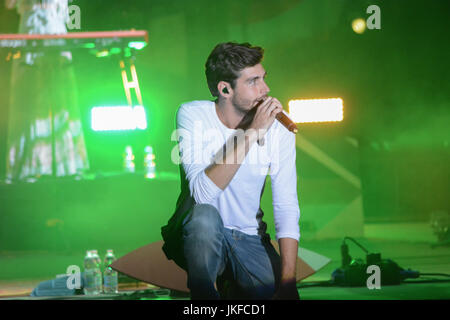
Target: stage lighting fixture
[
  {"x": 359, "y": 25},
  {"x": 102, "y": 53},
  {"x": 138, "y": 45},
  {"x": 440, "y": 223},
  {"x": 118, "y": 118},
  {"x": 316, "y": 110}
]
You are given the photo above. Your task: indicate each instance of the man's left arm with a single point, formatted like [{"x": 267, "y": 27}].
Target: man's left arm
[
  {"x": 288, "y": 254},
  {"x": 286, "y": 210}
]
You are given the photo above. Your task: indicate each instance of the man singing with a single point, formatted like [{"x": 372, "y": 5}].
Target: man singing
[{"x": 227, "y": 148}]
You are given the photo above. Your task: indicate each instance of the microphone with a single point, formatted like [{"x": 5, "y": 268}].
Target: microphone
[
  {"x": 286, "y": 121},
  {"x": 283, "y": 119}
]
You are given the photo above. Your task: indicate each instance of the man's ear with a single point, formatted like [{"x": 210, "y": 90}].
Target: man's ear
[{"x": 224, "y": 88}]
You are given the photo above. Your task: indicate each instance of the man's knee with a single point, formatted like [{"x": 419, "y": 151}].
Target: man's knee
[{"x": 204, "y": 217}]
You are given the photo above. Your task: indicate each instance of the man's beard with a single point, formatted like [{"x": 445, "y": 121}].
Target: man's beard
[
  {"x": 242, "y": 107},
  {"x": 247, "y": 109}
]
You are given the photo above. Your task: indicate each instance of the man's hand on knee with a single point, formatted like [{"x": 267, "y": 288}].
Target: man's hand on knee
[{"x": 287, "y": 291}]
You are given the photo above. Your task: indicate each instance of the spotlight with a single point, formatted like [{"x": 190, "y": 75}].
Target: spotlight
[
  {"x": 118, "y": 118},
  {"x": 316, "y": 110},
  {"x": 359, "y": 25}
]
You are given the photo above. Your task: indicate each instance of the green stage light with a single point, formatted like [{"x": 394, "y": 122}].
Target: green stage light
[
  {"x": 118, "y": 118},
  {"x": 89, "y": 45},
  {"x": 115, "y": 51},
  {"x": 316, "y": 110}
]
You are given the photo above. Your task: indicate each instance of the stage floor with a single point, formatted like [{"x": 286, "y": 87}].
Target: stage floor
[{"x": 409, "y": 245}]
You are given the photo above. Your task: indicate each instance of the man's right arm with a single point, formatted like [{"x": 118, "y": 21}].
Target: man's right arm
[
  {"x": 229, "y": 159},
  {"x": 206, "y": 180}
]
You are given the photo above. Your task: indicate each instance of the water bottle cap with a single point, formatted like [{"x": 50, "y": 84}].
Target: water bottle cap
[{"x": 128, "y": 150}]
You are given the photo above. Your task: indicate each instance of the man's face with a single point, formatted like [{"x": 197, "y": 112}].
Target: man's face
[{"x": 250, "y": 88}]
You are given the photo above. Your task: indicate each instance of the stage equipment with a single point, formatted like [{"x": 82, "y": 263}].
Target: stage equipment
[
  {"x": 101, "y": 44},
  {"x": 98, "y": 40}
]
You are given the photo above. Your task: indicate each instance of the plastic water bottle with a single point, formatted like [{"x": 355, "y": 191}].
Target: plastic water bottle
[
  {"x": 149, "y": 163},
  {"x": 92, "y": 273},
  {"x": 128, "y": 161},
  {"x": 89, "y": 273},
  {"x": 98, "y": 271},
  {"x": 110, "y": 277}
]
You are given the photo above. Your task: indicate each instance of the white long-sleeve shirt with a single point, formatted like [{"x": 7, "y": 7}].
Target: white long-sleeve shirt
[{"x": 201, "y": 134}]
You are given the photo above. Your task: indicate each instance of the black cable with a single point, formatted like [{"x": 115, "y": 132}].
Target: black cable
[
  {"x": 355, "y": 242},
  {"x": 426, "y": 281},
  {"x": 330, "y": 283},
  {"x": 325, "y": 283},
  {"x": 434, "y": 274}
]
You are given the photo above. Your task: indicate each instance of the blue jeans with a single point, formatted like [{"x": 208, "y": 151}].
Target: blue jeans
[{"x": 249, "y": 263}]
